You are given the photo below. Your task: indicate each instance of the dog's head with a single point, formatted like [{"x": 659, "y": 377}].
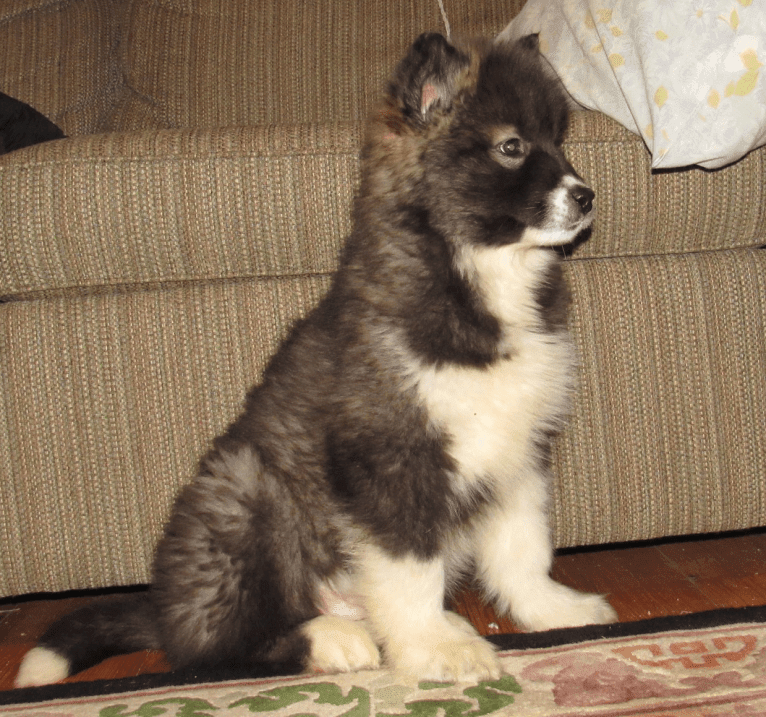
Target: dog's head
[{"x": 473, "y": 133}]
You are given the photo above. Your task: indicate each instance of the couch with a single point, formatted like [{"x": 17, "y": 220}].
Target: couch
[{"x": 151, "y": 261}]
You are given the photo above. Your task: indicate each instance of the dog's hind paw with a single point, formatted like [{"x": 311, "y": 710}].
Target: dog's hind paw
[
  {"x": 454, "y": 653},
  {"x": 340, "y": 645}
]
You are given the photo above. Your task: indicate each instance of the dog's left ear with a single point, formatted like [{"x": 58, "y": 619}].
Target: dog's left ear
[{"x": 427, "y": 78}]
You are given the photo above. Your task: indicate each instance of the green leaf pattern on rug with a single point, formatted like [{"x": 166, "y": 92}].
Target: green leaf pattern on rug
[
  {"x": 328, "y": 694},
  {"x": 486, "y": 698},
  {"x": 186, "y": 707}
]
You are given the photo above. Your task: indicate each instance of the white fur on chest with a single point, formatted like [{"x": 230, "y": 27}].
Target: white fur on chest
[
  {"x": 493, "y": 415},
  {"x": 508, "y": 279}
]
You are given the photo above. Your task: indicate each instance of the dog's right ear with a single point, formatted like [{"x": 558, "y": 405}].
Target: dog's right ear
[{"x": 427, "y": 79}]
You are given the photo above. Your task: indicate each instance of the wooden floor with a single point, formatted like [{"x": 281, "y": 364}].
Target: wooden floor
[{"x": 642, "y": 581}]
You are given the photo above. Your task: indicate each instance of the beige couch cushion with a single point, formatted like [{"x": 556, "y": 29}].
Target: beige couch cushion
[
  {"x": 106, "y": 403},
  {"x": 666, "y": 437},
  {"x": 171, "y": 206},
  {"x": 640, "y": 212},
  {"x": 60, "y": 57},
  {"x": 209, "y": 63}
]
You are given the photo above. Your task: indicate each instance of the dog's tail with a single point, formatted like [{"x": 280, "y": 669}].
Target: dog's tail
[{"x": 89, "y": 635}]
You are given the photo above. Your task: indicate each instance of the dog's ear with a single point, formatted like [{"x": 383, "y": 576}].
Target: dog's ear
[{"x": 427, "y": 78}]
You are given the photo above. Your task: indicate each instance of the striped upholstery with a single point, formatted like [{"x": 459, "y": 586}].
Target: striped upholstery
[
  {"x": 60, "y": 57},
  {"x": 667, "y": 432},
  {"x": 266, "y": 62},
  {"x": 150, "y": 264},
  {"x": 176, "y": 206},
  {"x": 185, "y": 205},
  {"x": 107, "y": 401}
]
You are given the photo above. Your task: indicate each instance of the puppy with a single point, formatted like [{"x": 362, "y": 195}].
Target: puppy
[{"x": 398, "y": 436}]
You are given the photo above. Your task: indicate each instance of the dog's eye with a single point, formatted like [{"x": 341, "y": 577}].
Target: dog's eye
[{"x": 513, "y": 147}]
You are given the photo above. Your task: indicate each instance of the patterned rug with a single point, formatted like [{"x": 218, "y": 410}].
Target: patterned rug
[{"x": 705, "y": 665}]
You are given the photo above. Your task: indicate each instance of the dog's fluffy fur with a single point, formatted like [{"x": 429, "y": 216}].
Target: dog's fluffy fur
[{"x": 398, "y": 437}]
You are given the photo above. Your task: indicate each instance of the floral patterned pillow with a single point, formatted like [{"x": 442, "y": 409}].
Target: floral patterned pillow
[{"x": 689, "y": 76}]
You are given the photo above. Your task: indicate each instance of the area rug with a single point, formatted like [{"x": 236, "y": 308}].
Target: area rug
[{"x": 705, "y": 665}]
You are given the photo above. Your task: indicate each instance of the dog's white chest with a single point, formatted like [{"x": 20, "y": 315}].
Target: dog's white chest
[{"x": 493, "y": 415}]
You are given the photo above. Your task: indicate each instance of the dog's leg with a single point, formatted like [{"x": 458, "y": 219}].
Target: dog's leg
[
  {"x": 514, "y": 556},
  {"x": 339, "y": 638},
  {"x": 404, "y": 603}
]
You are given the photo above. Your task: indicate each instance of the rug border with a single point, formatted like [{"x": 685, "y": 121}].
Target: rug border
[
  {"x": 689, "y": 621},
  {"x": 504, "y": 642}
]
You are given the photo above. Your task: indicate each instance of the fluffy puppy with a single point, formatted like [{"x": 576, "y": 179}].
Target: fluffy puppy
[{"x": 398, "y": 435}]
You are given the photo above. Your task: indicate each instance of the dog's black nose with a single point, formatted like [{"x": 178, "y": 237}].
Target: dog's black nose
[{"x": 584, "y": 197}]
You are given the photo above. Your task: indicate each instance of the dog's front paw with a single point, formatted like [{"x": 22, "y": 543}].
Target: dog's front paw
[
  {"x": 557, "y": 606},
  {"x": 450, "y": 652},
  {"x": 340, "y": 645}
]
